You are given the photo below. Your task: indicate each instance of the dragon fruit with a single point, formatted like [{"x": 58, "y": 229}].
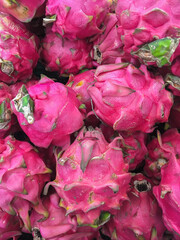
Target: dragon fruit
[
  {"x": 63, "y": 55},
  {"x": 77, "y": 20},
  {"x": 91, "y": 176},
  {"x": 5, "y": 109},
  {"x": 108, "y": 46},
  {"x": 167, "y": 192},
  {"x": 20, "y": 167},
  {"x": 23, "y": 10},
  {"x": 140, "y": 217},
  {"x": 143, "y": 22},
  {"x": 80, "y": 83},
  {"x": 9, "y": 226},
  {"x": 57, "y": 225},
  {"x": 129, "y": 99},
  {"x": 33, "y": 108},
  {"x": 159, "y": 154},
  {"x": 18, "y": 50}
]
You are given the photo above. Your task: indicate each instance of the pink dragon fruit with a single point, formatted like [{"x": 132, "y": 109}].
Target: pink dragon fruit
[
  {"x": 20, "y": 167},
  {"x": 9, "y": 226},
  {"x": 5, "y": 109},
  {"x": 108, "y": 46},
  {"x": 167, "y": 192},
  {"x": 129, "y": 99},
  {"x": 77, "y": 20},
  {"x": 142, "y": 22},
  {"x": 33, "y": 108},
  {"x": 23, "y": 10},
  {"x": 63, "y": 55},
  {"x": 140, "y": 217},
  {"x": 18, "y": 50},
  {"x": 80, "y": 83},
  {"x": 57, "y": 225},
  {"x": 91, "y": 176},
  {"x": 133, "y": 145},
  {"x": 159, "y": 154}
]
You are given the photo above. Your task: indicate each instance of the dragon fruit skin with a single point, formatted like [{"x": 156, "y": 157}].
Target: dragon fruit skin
[
  {"x": 57, "y": 225},
  {"x": 140, "y": 217},
  {"x": 80, "y": 83},
  {"x": 77, "y": 20},
  {"x": 20, "y": 167},
  {"x": 14, "y": 88},
  {"x": 5, "y": 109},
  {"x": 18, "y": 50},
  {"x": 134, "y": 148},
  {"x": 159, "y": 154},
  {"x": 142, "y": 22},
  {"x": 133, "y": 145},
  {"x": 108, "y": 46},
  {"x": 175, "y": 68},
  {"x": 9, "y": 226},
  {"x": 129, "y": 99},
  {"x": 63, "y": 55},
  {"x": 42, "y": 125},
  {"x": 23, "y": 10},
  {"x": 91, "y": 174}
]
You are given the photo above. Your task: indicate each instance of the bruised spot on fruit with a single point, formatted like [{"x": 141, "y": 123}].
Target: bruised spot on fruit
[{"x": 142, "y": 186}]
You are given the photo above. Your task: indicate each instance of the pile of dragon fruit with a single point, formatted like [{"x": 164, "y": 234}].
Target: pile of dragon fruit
[{"x": 89, "y": 119}]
